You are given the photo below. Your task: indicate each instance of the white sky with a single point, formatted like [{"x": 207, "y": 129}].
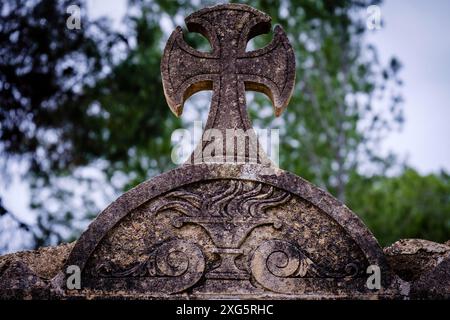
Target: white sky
[
  {"x": 418, "y": 33},
  {"x": 415, "y": 31}
]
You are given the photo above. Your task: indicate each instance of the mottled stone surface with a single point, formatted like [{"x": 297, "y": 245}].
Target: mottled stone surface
[
  {"x": 27, "y": 274},
  {"x": 424, "y": 264},
  {"x": 44, "y": 262},
  {"x": 242, "y": 230}
]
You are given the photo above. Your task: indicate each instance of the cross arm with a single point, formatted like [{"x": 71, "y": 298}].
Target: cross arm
[
  {"x": 270, "y": 70},
  {"x": 185, "y": 71}
]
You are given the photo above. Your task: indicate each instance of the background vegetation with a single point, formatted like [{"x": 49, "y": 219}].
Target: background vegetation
[{"x": 83, "y": 111}]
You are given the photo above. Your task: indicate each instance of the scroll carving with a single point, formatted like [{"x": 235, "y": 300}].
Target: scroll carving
[
  {"x": 172, "y": 267},
  {"x": 282, "y": 267}
]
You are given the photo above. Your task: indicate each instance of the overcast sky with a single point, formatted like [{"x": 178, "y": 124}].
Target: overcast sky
[
  {"x": 418, "y": 33},
  {"x": 415, "y": 31}
]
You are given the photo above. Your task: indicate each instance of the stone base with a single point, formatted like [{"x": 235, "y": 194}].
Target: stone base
[{"x": 422, "y": 267}]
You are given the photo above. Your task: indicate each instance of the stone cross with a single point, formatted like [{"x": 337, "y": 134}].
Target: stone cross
[{"x": 228, "y": 70}]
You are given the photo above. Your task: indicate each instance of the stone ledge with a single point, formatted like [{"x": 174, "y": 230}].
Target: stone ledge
[{"x": 423, "y": 265}]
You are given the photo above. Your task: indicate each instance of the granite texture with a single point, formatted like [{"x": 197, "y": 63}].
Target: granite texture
[{"x": 424, "y": 264}]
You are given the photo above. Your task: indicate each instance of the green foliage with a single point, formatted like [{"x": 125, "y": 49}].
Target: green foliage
[
  {"x": 43, "y": 65},
  {"x": 405, "y": 206}
]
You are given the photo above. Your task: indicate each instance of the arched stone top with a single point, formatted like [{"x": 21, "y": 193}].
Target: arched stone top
[{"x": 234, "y": 181}]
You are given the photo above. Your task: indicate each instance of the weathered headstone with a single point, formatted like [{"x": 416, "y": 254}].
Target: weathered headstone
[{"x": 229, "y": 224}]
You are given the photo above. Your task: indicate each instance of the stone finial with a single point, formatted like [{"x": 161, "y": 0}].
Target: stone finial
[{"x": 228, "y": 70}]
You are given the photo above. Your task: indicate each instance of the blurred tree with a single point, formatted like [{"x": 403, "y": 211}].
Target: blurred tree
[{"x": 405, "y": 206}]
